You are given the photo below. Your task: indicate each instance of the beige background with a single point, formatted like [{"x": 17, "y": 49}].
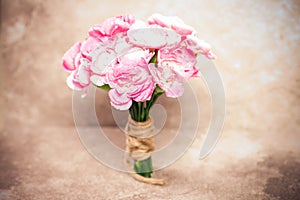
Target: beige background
[{"x": 257, "y": 44}]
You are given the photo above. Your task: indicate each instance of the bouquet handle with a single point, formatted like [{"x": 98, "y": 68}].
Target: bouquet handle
[{"x": 139, "y": 145}]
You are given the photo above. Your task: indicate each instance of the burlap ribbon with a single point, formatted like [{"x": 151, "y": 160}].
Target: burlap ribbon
[{"x": 139, "y": 145}]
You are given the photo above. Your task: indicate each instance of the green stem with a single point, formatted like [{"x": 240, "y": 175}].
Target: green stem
[
  {"x": 139, "y": 111},
  {"x": 144, "y": 167}
]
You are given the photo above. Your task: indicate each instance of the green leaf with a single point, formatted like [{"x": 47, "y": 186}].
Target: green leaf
[
  {"x": 158, "y": 91},
  {"x": 104, "y": 87},
  {"x": 154, "y": 58}
]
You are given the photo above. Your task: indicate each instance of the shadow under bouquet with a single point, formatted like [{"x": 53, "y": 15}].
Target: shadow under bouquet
[{"x": 136, "y": 62}]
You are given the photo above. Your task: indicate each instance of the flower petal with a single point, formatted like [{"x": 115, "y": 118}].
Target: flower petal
[
  {"x": 68, "y": 60},
  {"x": 88, "y": 46},
  {"x": 153, "y": 37},
  {"x": 70, "y": 82},
  {"x": 119, "y": 101},
  {"x": 98, "y": 79},
  {"x": 173, "y": 22}
]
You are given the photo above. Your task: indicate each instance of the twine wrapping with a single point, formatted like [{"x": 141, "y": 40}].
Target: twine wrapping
[{"x": 139, "y": 145}]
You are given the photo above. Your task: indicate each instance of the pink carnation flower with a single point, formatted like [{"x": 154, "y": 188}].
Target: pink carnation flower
[
  {"x": 199, "y": 46},
  {"x": 73, "y": 61},
  {"x": 105, "y": 56},
  {"x": 130, "y": 79},
  {"x": 166, "y": 79},
  {"x": 174, "y": 66},
  {"x": 180, "y": 60}
]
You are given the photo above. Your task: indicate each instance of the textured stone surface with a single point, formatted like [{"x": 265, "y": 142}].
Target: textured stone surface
[
  {"x": 55, "y": 165},
  {"x": 257, "y": 157}
]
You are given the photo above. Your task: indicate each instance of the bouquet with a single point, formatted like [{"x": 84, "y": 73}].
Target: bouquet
[{"x": 136, "y": 62}]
